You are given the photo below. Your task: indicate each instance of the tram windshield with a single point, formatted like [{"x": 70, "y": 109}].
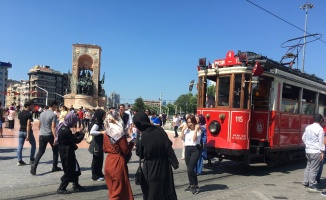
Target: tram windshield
[{"x": 230, "y": 91}]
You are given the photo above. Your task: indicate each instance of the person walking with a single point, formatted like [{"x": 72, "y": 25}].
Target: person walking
[
  {"x": 2, "y": 120},
  {"x": 11, "y": 118},
  {"x": 313, "y": 138},
  {"x": 47, "y": 126},
  {"x": 96, "y": 128},
  {"x": 80, "y": 114},
  {"x": 183, "y": 123},
  {"x": 26, "y": 133},
  {"x": 176, "y": 124},
  {"x": 63, "y": 113},
  {"x": 67, "y": 145},
  {"x": 191, "y": 134},
  {"x": 87, "y": 117},
  {"x": 155, "y": 148},
  {"x": 125, "y": 118},
  {"x": 203, "y": 141},
  {"x": 116, "y": 170}
]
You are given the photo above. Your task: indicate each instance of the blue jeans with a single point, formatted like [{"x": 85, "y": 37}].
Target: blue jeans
[{"x": 21, "y": 141}]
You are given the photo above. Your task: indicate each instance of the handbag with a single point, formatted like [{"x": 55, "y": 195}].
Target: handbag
[
  {"x": 88, "y": 137},
  {"x": 139, "y": 172}
]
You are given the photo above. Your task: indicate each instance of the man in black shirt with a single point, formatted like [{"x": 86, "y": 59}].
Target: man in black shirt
[{"x": 26, "y": 132}]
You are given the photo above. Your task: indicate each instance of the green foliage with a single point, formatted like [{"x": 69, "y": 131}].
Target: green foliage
[
  {"x": 171, "y": 108},
  {"x": 187, "y": 102},
  {"x": 139, "y": 104},
  {"x": 211, "y": 90}
]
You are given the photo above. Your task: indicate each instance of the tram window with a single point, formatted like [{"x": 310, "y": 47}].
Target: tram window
[
  {"x": 322, "y": 104},
  {"x": 308, "y": 102},
  {"x": 223, "y": 91},
  {"x": 290, "y": 96},
  {"x": 211, "y": 93},
  {"x": 246, "y": 92},
  {"x": 237, "y": 90}
]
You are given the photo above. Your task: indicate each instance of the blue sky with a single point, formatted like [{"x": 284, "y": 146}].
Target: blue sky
[{"x": 152, "y": 47}]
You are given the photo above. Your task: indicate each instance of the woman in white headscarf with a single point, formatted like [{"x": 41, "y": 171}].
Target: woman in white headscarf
[{"x": 116, "y": 146}]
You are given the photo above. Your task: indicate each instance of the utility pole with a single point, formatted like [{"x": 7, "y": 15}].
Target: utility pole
[
  {"x": 305, "y": 7},
  {"x": 160, "y": 103}
]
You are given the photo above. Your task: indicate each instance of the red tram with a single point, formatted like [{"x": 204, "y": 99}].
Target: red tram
[{"x": 259, "y": 109}]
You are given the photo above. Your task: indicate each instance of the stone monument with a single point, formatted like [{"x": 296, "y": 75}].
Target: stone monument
[{"x": 86, "y": 86}]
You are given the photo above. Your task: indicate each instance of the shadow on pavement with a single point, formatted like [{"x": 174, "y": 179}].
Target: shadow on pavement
[
  {"x": 94, "y": 188},
  {"x": 212, "y": 187},
  {"x": 85, "y": 168},
  {"x": 8, "y": 157},
  {"x": 42, "y": 174},
  {"x": 8, "y": 150}
]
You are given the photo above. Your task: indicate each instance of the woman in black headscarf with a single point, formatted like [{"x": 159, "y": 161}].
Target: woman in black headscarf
[
  {"x": 96, "y": 128},
  {"x": 67, "y": 146},
  {"x": 156, "y": 149}
]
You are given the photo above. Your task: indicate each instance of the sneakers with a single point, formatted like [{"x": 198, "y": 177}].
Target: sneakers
[
  {"x": 314, "y": 188},
  {"x": 188, "y": 189},
  {"x": 33, "y": 169},
  {"x": 323, "y": 194},
  {"x": 63, "y": 192},
  {"x": 176, "y": 136},
  {"x": 99, "y": 179},
  {"x": 56, "y": 169},
  {"x": 195, "y": 189},
  {"x": 305, "y": 185},
  {"x": 21, "y": 163}
]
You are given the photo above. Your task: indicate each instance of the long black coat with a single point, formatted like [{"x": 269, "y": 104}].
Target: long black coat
[
  {"x": 156, "y": 149},
  {"x": 67, "y": 146}
]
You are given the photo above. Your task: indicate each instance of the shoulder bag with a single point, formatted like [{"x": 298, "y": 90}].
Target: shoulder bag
[
  {"x": 139, "y": 172},
  {"x": 88, "y": 137}
]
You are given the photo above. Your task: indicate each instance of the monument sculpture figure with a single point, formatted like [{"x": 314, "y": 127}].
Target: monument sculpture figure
[{"x": 87, "y": 89}]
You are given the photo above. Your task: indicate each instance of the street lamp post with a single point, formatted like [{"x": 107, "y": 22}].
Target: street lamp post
[
  {"x": 305, "y": 7},
  {"x": 47, "y": 93},
  {"x": 160, "y": 103}
]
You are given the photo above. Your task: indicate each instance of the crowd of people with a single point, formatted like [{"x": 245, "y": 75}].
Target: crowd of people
[{"x": 64, "y": 128}]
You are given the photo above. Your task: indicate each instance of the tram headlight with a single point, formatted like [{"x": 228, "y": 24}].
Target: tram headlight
[{"x": 214, "y": 127}]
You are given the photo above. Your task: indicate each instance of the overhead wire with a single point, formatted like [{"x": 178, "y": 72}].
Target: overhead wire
[{"x": 281, "y": 18}]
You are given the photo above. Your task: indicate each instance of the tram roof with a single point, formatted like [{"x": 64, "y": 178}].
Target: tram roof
[{"x": 268, "y": 65}]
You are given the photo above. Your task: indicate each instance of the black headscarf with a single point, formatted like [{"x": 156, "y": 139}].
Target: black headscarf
[
  {"x": 98, "y": 117},
  {"x": 202, "y": 120},
  {"x": 141, "y": 121}
]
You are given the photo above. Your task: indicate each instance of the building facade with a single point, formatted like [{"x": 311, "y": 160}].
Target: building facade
[
  {"x": 46, "y": 84},
  {"x": 114, "y": 100},
  {"x": 4, "y": 66},
  {"x": 12, "y": 93}
]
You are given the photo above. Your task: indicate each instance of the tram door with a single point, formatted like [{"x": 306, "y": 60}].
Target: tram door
[{"x": 260, "y": 109}]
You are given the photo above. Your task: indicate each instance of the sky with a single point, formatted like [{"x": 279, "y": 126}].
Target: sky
[{"x": 151, "y": 48}]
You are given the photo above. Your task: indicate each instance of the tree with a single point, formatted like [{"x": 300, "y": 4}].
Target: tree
[
  {"x": 211, "y": 90},
  {"x": 171, "y": 108},
  {"x": 139, "y": 104},
  {"x": 187, "y": 102}
]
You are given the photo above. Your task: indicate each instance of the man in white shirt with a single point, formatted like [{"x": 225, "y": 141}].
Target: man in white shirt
[
  {"x": 313, "y": 138},
  {"x": 176, "y": 124}
]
